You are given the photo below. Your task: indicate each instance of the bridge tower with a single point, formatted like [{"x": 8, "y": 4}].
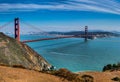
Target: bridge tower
[
  {"x": 17, "y": 29},
  {"x": 86, "y": 33}
]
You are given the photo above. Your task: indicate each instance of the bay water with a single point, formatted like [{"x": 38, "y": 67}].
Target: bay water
[{"x": 77, "y": 55}]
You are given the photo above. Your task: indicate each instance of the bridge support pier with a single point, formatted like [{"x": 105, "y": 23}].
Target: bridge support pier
[
  {"x": 86, "y": 33},
  {"x": 17, "y": 29}
]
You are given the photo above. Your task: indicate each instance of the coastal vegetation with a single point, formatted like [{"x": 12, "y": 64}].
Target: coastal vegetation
[
  {"x": 112, "y": 67},
  {"x": 116, "y": 79},
  {"x": 72, "y": 77}
]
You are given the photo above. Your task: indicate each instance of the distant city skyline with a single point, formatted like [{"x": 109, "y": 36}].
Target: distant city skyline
[{"x": 62, "y": 15}]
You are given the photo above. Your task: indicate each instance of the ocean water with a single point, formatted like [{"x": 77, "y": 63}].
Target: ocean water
[{"x": 77, "y": 55}]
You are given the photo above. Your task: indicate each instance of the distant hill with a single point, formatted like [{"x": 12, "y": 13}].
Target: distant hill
[
  {"x": 16, "y": 54},
  {"x": 97, "y": 33}
]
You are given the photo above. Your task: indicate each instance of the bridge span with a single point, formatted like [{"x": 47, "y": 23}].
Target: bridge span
[
  {"x": 85, "y": 35},
  {"x": 59, "y": 37}
]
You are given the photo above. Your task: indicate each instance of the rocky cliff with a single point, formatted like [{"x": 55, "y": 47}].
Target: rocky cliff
[{"x": 14, "y": 53}]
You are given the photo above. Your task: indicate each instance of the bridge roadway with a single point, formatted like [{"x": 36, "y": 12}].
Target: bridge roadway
[{"x": 60, "y": 37}]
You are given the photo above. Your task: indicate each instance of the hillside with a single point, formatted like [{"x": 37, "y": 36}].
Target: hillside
[
  {"x": 16, "y": 54},
  {"x": 9, "y": 74},
  {"x": 102, "y": 76}
]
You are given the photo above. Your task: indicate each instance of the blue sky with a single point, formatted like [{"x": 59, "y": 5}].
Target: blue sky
[{"x": 62, "y": 15}]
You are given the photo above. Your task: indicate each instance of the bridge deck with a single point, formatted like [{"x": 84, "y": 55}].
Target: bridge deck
[{"x": 59, "y": 37}]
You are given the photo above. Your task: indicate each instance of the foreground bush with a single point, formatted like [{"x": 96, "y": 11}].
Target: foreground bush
[
  {"x": 72, "y": 77},
  {"x": 116, "y": 79},
  {"x": 66, "y": 74},
  {"x": 87, "y": 78},
  {"x": 112, "y": 67}
]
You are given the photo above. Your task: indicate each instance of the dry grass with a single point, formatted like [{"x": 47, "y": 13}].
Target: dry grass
[
  {"x": 72, "y": 77},
  {"x": 9, "y": 74},
  {"x": 102, "y": 76}
]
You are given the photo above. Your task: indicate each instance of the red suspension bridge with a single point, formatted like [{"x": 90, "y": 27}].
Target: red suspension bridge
[{"x": 17, "y": 33}]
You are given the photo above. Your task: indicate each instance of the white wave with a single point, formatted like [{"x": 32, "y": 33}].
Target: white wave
[{"x": 65, "y": 54}]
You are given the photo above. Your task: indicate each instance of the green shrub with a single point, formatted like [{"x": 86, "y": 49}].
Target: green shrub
[
  {"x": 18, "y": 66},
  {"x": 72, "y": 77},
  {"x": 64, "y": 73},
  {"x": 111, "y": 67},
  {"x": 116, "y": 79},
  {"x": 87, "y": 78}
]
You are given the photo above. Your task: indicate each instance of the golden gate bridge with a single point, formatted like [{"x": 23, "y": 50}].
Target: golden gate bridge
[{"x": 86, "y": 36}]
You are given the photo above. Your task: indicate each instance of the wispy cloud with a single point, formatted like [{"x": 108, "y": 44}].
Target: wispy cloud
[{"x": 106, "y": 6}]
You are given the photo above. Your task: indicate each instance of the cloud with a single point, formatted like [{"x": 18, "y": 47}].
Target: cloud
[{"x": 106, "y": 6}]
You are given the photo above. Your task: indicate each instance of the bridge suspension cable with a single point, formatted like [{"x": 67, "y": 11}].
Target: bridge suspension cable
[
  {"x": 6, "y": 24},
  {"x": 37, "y": 29}
]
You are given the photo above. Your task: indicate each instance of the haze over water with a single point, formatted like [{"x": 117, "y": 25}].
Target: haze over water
[{"x": 77, "y": 55}]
